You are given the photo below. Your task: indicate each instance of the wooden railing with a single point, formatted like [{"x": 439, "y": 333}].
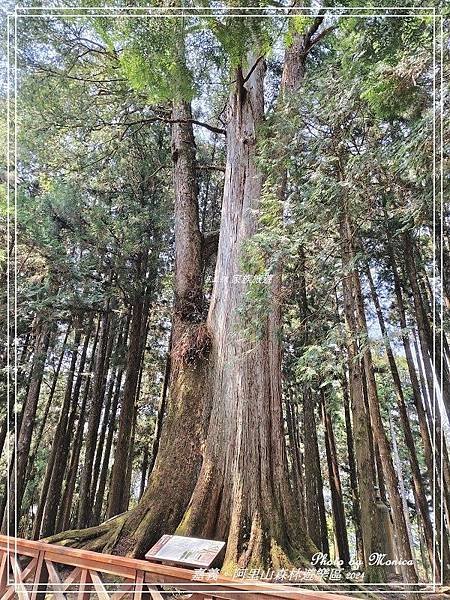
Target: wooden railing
[{"x": 34, "y": 570}]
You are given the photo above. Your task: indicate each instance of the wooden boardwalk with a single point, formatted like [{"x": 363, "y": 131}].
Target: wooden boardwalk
[{"x": 34, "y": 570}]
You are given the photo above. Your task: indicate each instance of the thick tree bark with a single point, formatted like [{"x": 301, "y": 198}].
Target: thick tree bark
[
  {"x": 144, "y": 469},
  {"x": 256, "y": 515},
  {"x": 295, "y": 454},
  {"x": 161, "y": 410},
  {"x": 216, "y": 493}
]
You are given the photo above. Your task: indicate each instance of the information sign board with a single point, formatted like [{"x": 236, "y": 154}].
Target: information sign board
[{"x": 186, "y": 551}]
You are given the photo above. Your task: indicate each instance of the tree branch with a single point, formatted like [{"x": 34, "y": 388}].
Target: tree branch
[{"x": 168, "y": 120}]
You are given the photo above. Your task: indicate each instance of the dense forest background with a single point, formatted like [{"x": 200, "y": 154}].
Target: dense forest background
[{"x": 232, "y": 284}]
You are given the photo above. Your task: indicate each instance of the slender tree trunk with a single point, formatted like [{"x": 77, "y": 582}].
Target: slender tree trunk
[
  {"x": 102, "y": 436},
  {"x": 42, "y": 424},
  {"x": 356, "y": 512},
  {"x": 315, "y": 516},
  {"x": 434, "y": 335},
  {"x": 340, "y": 527},
  {"x": 94, "y": 412},
  {"x": 117, "y": 493},
  {"x": 161, "y": 410},
  {"x": 380, "y": 437},
  {"x": 364, "y": 456},
  {"x": 108, "y": 448},
  {"x": 295, "y": 455},
  {"x": 112, "y": 339},
  {"x": 401, "y": 481},
  {"x": 419, "y": 488},
  {"x": 129, "y": 465},
  {"x": 316, "y": 523},
  {"x": 66, "y": 504},
  {"x": 426, "y": 423},
  {"x": 430, "y": 351},
  {"x": 48, "y": 506},
  {"x": 17, "y": 480},
  {"x": 31, "y": 465},
  {"x": 66, "y": 509}
]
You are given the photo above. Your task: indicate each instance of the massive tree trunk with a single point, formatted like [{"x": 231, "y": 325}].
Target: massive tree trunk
[
  {"x": 169, "y": 489},
  {"x": 243, "y": 494}
]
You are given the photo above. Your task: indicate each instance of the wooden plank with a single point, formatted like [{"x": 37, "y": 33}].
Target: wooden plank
[
  {"x": 37, "y": 576},
  {"x": 18, "y": 583},
  {"x": 9, "y": 591},
  {"x": 73, "y": 577},
  {"x": 154, "y": 593},
  {"x": 100, "y": 589},
  {"x": 124, "y": 589},
  {"x": 10, "y": 545},
  {"x": 55, "y": 579},
  {"x": 139, "y": 585},
  {"x": 96, "y": 564},
  {"x": 4, "y": 564},
  {"x": 83, "y": 593},
  {"x": 29, "y": 569}
]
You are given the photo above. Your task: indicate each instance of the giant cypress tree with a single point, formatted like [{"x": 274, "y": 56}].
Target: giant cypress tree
[{"x": 224, "y": 412}]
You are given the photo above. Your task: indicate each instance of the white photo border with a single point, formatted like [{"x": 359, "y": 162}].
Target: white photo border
[{"x": 161, "y": 12}]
